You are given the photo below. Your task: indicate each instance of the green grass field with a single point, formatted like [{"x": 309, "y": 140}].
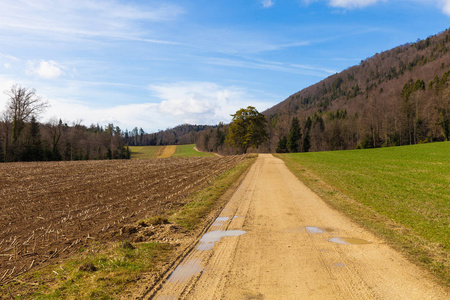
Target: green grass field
[
  {"x": 401, "y": 193},
  {"x": 188, "y": 151},
  {"x": 139, "y": 152},
  {"x": 143, "y": 151}
]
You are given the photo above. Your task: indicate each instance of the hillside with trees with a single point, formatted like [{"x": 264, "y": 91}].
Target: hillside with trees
[
  {"x": 398, "y": 97},
  {"x": 179, "y": 135}
]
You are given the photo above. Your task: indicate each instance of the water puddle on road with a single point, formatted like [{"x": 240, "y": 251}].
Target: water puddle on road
[
  {"x": 208, "y": 239},
  {"x": 219, "y": 222},
  {"x": 184, "y": 271},
  {"x": 348, "y": 241},
  {"x": 312, "y": 229}
]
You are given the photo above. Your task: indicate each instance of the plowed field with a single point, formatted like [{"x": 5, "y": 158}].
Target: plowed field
[{"x": 48, "y": 209}]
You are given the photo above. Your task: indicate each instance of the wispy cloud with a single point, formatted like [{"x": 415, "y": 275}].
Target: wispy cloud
[
  {"x": 9, "y": 57},
  {"x": 267, "y": 3},
  {"x": 109, "y": 19},
  {"x": 271, "y": 66},
  {"x": 353, "y": 3}
]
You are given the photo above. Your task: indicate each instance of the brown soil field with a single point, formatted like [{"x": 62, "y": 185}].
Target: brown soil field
[{"x": 48, "y": 210}]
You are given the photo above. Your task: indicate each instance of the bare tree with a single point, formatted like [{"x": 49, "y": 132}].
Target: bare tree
[{"x": 23, "y": 104}]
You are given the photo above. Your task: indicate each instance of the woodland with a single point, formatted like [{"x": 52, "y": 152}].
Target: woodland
[
  {"x": 23, "y": 138},
  {"x": 398, "y": 97}
]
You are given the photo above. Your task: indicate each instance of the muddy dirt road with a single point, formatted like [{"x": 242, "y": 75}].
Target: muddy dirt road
[{"x": 276, "y": 239}]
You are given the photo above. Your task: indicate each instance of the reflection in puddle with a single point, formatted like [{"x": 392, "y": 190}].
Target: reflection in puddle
[
  {"x": 208, "y": 239},
  {"x": 348, "y": 241},
  {"x": 184, "y": 271},
  {"x": 312, "y": 229},
  {"x": 339, "y": 265},
  {"x": 222, "y": 219}
]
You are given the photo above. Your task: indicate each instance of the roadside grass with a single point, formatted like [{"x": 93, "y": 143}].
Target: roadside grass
[
  {"x": 189, "y": 151},
  {"x": 400, "y": 193},
  {"x": 103, "y": 272},
  {"x": 108, "y": 270},
  {"x": 204, "y": 201},
  {"x": 143, "y": 152}
]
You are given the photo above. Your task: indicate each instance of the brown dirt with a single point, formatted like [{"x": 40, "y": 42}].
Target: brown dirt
[
  {"x": 48, "y": 210},
  {"x": 167, "y": 151},
  {"x": 287, "y": 251}
]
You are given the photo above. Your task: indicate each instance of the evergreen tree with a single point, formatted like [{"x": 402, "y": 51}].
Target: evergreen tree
[
  {"x": 33, "y": 147},
  {"x": 281, "y": 147},
  {"x": 306, "y": 145},
  {"x": 294, "y": 136}
]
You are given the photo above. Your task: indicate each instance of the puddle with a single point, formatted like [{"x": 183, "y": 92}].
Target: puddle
[
  {"x": 339, "y": 265},
  {"x": 220, "y": 221},
  {"x": 235, "y": 217},
  {"x": 312, "y": 229},
  {"x": 348, "y": 241},
  {"x": 183, "y": 272},
  {"x": 208, "y": 239}
]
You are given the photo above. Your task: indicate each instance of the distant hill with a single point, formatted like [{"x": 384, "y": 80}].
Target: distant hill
[
  {"x": 179, "y": 135},
  {"x": 397, "y": 97}
]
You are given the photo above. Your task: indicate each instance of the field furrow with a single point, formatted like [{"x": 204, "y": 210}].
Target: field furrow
[{"x": 50, "y": 209}]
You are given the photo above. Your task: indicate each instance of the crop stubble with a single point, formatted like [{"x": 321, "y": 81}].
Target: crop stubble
[{"x": 47, "y": 210}]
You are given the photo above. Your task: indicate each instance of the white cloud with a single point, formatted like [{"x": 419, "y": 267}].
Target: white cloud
[
  {"x": 445, "y": 4},
  {"x": 171, "y": 104},
  {"x": 352, "y": 3},
  {"x": 267, "y": 3},
  {"x": 7, "y": 65},
  {"x": 203, "y": 102},
  {"x": 45, "y": 69}
]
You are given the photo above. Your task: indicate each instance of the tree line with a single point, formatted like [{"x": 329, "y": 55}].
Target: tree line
[
  {"x": 23, "y": 138},
  {"x": 398, "y": 97}
]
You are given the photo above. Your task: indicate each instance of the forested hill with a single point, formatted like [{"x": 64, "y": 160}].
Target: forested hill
[{"x": 397, "y": 97}]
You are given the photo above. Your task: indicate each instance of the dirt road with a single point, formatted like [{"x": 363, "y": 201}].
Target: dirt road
[{"x": 276, "y": 239}]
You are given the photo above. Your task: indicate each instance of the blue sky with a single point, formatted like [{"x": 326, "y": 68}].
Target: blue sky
[{"x": 157, "y": 64}]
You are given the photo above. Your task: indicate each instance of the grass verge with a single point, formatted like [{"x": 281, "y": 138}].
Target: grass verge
[
  {"x": 103, "y": 272},
  {"x": 400, "y": 193},
  {"x": 109, "y": 270},
  {"x": 204, "y": 201}
]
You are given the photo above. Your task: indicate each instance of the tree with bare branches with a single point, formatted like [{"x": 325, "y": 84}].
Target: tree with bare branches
[{"x": 23, "y": 104}]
